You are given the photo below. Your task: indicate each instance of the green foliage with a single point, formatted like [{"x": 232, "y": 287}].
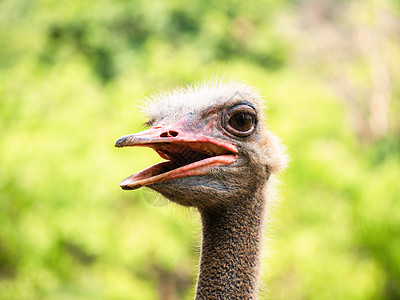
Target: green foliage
[{"x": 72, "y": 74}]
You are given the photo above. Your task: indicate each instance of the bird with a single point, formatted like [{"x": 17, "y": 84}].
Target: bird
[{"x": 218, "y": 156}]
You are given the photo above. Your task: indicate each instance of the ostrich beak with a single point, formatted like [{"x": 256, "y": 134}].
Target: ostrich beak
[{"x": 186, "y": 153}]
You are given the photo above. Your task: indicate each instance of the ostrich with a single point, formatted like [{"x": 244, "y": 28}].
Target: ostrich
[{"x": 219, "y": 158}]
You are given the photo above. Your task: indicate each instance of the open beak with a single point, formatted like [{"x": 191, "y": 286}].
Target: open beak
[{"x": 186, "y": 154}]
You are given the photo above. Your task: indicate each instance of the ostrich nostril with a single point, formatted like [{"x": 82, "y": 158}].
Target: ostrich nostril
[{"x": 169, "y": 133}]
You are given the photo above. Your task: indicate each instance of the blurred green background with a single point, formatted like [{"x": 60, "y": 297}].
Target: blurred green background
[{"x": 72, "y": 74}]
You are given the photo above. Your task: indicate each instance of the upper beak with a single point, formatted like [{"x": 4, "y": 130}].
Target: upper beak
[
  {"x": 158, "y": 136},
  {"x": 152, "y": 135}
]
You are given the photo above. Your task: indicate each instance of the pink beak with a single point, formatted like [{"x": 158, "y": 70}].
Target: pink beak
[{"x": 187, "y": 153}]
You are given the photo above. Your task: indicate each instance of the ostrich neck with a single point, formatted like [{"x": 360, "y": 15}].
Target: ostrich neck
[{"x": 231, "y": 250}]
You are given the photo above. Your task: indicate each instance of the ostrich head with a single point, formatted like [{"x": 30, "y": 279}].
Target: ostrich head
[{"x": 215, "y": 143}]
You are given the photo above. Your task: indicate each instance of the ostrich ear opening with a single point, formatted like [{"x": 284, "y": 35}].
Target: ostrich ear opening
[{"x": 277, "y": 158}]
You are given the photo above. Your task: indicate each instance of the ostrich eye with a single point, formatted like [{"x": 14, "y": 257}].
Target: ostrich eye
[{"x": 240, "y": 120}]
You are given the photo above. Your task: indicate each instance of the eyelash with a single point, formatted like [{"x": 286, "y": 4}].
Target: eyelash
[{"x": 148, "y": 123}]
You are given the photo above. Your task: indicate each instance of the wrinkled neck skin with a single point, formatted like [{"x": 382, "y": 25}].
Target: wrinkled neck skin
[{"x": 231, "y": 249}]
